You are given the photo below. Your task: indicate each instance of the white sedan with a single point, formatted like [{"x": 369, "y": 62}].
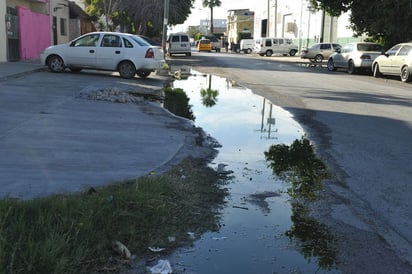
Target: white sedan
[
  {"x": 355, "y": 56},
  {"x": 126, "y": 53},
  {"x": 397, "y": 61}
]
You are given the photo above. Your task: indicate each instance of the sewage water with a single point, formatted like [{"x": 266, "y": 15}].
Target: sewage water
[{"x": 254, "y": 222}]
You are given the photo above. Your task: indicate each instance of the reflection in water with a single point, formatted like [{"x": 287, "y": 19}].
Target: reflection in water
[
  {"x": 255, "y": 239},
  {"x": 177, "y": 102},
  {"x": 209, "y": 95},
  {"x": 298, "y": 165},
  {"x": 271, "y": 121},
  {"x": 316, "y": 240}
]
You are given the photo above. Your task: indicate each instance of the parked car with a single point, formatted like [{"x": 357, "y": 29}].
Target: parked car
[
  {"x": 319, "y": 52},
  {"x": 204, "y": 45},
  {"x": 247, "y": 45},
  {"x": 268, "y": 46},
  {"x": 113, "y": 51},
  {"x": 397, "y": 61},
  {"x": 355, "y": 56},
  {"x": 216, "y": 45},
  {"x": 178, "y": 43}
]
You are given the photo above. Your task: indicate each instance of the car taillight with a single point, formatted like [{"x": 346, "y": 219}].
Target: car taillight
[
  {"x": 365, "y": 57},
  {"x": 149, "y": 53}
]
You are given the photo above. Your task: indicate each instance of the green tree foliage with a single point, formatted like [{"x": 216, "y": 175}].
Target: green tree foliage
[
  {"x": 193, "y": 31},
  {"x": 139, "y": 16},
  {"x": 386, "y": 21},
  {"x": 211, "y": 4}
]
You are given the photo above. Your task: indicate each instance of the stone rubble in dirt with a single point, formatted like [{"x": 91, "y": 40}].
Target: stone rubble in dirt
[{"x": 111, "y": 95}]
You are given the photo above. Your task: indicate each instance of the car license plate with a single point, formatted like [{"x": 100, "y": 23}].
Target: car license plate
[{"x": 183, "y": 45}]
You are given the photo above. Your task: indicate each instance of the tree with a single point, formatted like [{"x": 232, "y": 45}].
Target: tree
[
  {"x": 139, "y": 16},
  {"x": 386, "y": 21},
  {"x": 211, "y": 4}
]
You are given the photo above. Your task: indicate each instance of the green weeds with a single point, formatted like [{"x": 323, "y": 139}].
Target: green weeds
[{"x": 75, "y": 233}]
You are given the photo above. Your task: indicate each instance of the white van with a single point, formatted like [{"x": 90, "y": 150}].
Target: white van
[
  {"x": 247, "y": 45},
  {"x": 178, "y": 43},
  {"x": 281, "y": 46}
]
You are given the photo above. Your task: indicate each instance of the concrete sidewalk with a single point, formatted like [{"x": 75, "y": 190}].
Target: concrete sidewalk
[
  {"x": 15, "y": 69},
  {"x": 56, "y": 141}
]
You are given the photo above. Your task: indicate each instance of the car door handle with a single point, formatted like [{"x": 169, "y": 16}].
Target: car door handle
[
  {"x": 91, "y": 51},
  {"x": 117, "y": 52}
]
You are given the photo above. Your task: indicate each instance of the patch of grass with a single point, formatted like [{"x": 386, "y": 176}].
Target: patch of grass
[{"x": 74, "y": 234}]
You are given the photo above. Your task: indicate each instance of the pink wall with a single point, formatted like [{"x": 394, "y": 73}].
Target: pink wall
[{"x": 35, "y": 33}]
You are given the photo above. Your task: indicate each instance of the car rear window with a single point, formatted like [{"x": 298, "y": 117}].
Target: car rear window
[
  {"x": 184, "y": 38},
  {"x": 127, "y": 43},
  {"x": 140, "y": 41},
  {"x": 325, "y": 46},
  {"x": 369, "y": 47}
]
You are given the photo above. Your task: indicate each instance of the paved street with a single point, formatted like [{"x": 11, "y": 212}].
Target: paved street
[{"x": 361, "y": 128}]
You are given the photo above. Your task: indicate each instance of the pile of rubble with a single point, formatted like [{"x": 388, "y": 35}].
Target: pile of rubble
[{"x": 111, "y": 95}]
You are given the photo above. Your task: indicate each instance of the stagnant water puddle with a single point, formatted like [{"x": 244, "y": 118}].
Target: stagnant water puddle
[{"x": 264, "y": 227}]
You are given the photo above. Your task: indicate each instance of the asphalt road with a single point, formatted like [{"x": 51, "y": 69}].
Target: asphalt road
[{"x": 361, "y": 128}]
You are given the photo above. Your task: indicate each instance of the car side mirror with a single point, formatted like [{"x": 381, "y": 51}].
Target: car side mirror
[{"x": 338, "y": 51}]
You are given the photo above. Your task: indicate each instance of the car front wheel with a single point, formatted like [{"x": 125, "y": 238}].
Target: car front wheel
[
  {"x": 127, "y": 70},
  {"x": 292, "y": 52},
  {"x": 376, "y": 71},
  {"x": 405, "y": 74},
  {"x": 55, "y": 63},
  {"x": 331, "y": 65}
]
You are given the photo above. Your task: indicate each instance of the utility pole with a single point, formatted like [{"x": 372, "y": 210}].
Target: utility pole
[
  {"x": 165, "y": 22},
  {"x": 267, "y": 23}
]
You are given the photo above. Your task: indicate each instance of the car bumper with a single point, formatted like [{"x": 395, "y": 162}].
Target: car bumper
[{"x": 364, "y": 64}]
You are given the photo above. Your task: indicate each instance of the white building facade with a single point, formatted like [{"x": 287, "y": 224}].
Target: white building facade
[{"x": 298, "y": 21}]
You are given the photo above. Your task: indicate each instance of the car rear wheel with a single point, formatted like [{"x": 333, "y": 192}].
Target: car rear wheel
[
  {"x": 269, "y": 53},
  {"x": 376, "y": 71},
  {"x": 318, "y": 58},
  {"x": 143, "y": 73},
  {"x": 126, "y": 70},
  {"x": 55, "y": 63},
  {"x": 248, "y": 51},
  {"x": 331, "y": 65},
  {"x": 292, "y": 52},
  {"x": 351, "y": 67},
  {"x": 405, "y": 74}
]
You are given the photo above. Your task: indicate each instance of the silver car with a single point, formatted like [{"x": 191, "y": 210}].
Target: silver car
[
  {"x": 355, "y": 56},
  {"x": 397, "y": 61},
  {"x": 113, "y": 51},
  {"x": 319, "y": 52}
]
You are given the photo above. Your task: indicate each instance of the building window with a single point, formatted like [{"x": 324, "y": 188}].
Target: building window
[{"x": 63, "y": 26}]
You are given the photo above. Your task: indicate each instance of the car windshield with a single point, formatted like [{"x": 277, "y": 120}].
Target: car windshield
[
  {"x": 370, "y": 47},
  {"x": 140, "y": 41}
]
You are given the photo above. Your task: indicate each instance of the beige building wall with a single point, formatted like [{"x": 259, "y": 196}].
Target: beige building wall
[
  {"x": 237, "y": 23},
  {"x": 59, "y": 9}
]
